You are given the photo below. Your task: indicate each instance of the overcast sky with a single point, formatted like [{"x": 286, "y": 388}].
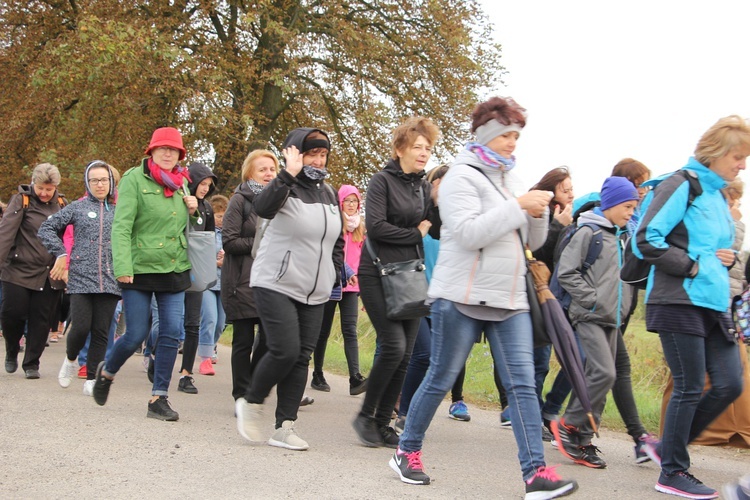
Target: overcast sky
[{"x": 607, "y": 80}]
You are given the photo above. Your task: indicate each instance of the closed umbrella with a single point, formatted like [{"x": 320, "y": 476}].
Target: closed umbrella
[{"x": 562, "y": 337}]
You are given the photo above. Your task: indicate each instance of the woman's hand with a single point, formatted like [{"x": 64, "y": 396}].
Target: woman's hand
[
  {"x": 424, "y": 227},
  {"x": 125, "y": 279},
  {"x": 293, "y": 160},
  {"x": 220, "y": 258},
  {"x": 726, "y": 256},
  {"x": 191, "y": 202},
  {"x": 734, "y": 209},
  {"x": 353, "y": 281},
  {"x": 535, "y": 202},
  {"x": 564, "y": 216},
  {"x": 59, "y": 271}
]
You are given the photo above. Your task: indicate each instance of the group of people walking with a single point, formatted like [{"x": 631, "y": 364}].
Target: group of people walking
[{"x": 290, "y": 249}]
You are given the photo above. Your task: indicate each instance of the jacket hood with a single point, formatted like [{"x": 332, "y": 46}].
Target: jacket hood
[
  {"x": 707, "y": 177},
  {"x": 592, "y": 217},
  {"x": 28, "y": 189},
  {"x": 297, "y": 138},
  {"x": 99, "y": 164},
  {"x": 394, "y": 167},
  {"x": 199, "y": 172},
  {"x": 346, "y": 190},
  {"x": 244, "y": 190}
]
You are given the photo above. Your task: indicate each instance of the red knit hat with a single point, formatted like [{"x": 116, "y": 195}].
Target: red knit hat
[{"x": 167, "y": 136}]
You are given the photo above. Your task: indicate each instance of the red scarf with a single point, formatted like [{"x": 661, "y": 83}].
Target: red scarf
[{"x": 170, "y": 180}]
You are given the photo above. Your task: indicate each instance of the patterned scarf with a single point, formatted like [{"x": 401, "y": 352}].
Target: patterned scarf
[
  {"x": 170, "y": 180},
  {"x": 352, "y": 222},
  {"x": 254, "y": 186},
  {"x": 314, "y": 174},
  {"x": 490, "y": 158}
]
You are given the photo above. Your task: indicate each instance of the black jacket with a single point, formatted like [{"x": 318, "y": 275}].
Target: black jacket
[
  {"x": 394, "y": 209},
  {"x": 237, "y": 236},
  {"x": 199, "y": 172}
]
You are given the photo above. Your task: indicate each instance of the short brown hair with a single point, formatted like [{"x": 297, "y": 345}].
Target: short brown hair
[
  {"x": 728, "y": 133},
  {"x": 219, "y": 203},
  {"x": 247, "y": 165},
  {"x": 551, "y": 179},
  {"x": 504, "y": 110},
  {"x": 632, "y": 170},
  {"x": 407, "y": 133}
]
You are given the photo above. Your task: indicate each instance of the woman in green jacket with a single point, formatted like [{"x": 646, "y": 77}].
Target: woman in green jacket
[{"x": 149, "y": 251}]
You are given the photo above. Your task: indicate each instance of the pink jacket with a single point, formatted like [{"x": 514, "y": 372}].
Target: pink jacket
[{"x": 352, "y": 249}]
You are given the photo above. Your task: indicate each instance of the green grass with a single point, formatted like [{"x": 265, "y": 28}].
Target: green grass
[{"x": 649, "y": 371}]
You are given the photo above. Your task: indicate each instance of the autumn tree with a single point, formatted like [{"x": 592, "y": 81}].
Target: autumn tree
[{"x": 88, "y": 79}]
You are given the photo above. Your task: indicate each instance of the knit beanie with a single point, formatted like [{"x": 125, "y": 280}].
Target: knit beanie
[{"x": 616, "y": 190}]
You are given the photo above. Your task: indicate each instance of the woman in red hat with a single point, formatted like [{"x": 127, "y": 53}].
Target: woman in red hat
[{"x": 149, "y": 252}]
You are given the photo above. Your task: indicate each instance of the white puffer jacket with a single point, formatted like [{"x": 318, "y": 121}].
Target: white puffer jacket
[{"x": 481, "y": 259}]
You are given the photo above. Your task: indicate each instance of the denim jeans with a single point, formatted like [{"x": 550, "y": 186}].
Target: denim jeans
[
  {"x": 541, "y": 369},
  {"x": 212, "y": 323},
  {"x": 150, "y": 348},
  {"x": 511, "y": 344},
  {"x": 689, "y": 410},
  {"x": 83, "y": 354},
  {"x": 137, "y": 305}
]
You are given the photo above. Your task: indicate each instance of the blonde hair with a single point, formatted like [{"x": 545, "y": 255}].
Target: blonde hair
[
  {"x": 247, "y": 165},
  {"x": 734, "y": 190},
  {"x": 725, "y": 135},
  {"x": 45, "y": 173},
  {"x": 407, "y": 133}
]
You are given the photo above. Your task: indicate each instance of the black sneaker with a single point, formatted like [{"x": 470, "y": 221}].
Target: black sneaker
[
  {"x": 161, "y": 410},
  {"x": 367, "y": 431},
  {"x": 150, "y": 369},
  {"x": 545, "y": 484},
  {"x": 568, "y": 442},
  {"x": 408, "y": 466},
  {"x": 319, "y": 382},
  {"x": 357, "y": 384},
  {"x": 390, "y": 438},
  {"x": 590, "y": 457},
  {"x": 11, "y": 364},
  {"x": 32, "y": 374},
  {"x": 101, "y": 385},
  {"x": 684, "y": 484},
  {"x": 186, "y": 385}
]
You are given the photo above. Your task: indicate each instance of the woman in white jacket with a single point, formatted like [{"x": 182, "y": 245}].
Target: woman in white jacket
[{"x": 478, "y": 285}]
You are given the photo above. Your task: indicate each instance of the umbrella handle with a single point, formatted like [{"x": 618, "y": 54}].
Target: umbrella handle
[{"x": 593, "y": 424}]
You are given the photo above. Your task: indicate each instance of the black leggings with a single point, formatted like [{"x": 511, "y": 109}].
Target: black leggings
[
  {"x": 193, "y": 305},
  {"x": 90, "y": 312},
  {"x": 244, "y": 360},
  {"x": 292, "y": 330},
  {"x": 396, "y": 342}
]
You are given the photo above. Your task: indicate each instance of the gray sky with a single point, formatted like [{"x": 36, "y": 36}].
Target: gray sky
[{"x": 605, "y": 80}]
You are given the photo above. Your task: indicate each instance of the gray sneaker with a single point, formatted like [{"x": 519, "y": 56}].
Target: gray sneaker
[
  {"x": 249, "y": 417},
  {"x": 286, "y": 437}
]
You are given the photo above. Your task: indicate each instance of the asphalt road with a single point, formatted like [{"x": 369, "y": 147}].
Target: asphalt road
[{"x": 57, "y": 443}]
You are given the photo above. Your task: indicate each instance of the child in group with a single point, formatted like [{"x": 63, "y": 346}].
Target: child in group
[
  {"x": 212, "y": 312},
  {"x": 599, "y": 303}
]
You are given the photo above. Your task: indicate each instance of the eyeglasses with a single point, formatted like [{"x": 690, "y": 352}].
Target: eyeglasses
[
  {"x": 167, "y": 149},
  {"x": 351, "y": 202},
  {"x": 99, "y": 182}
]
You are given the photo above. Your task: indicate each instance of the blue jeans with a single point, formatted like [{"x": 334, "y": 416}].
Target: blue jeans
[
  {"x": 137, "y": 306},
  {"x": 511, "y": 343},
  {"x": 84, "y": 353},
  {"x": 212, "y": 323},
  {"x": 689, "y": 410}
]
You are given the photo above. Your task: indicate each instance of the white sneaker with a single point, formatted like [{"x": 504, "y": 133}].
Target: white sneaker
[
  {"x": 88, "y": 387},
  {"x": 286, "y": 437},
  {"x": 68, "y": 371},
  {"x": 249, "y": 417}
]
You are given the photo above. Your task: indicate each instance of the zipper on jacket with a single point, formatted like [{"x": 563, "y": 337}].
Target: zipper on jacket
[
  {"x": 101, "y": 246},
  {"x": 320, "y": 254}
]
